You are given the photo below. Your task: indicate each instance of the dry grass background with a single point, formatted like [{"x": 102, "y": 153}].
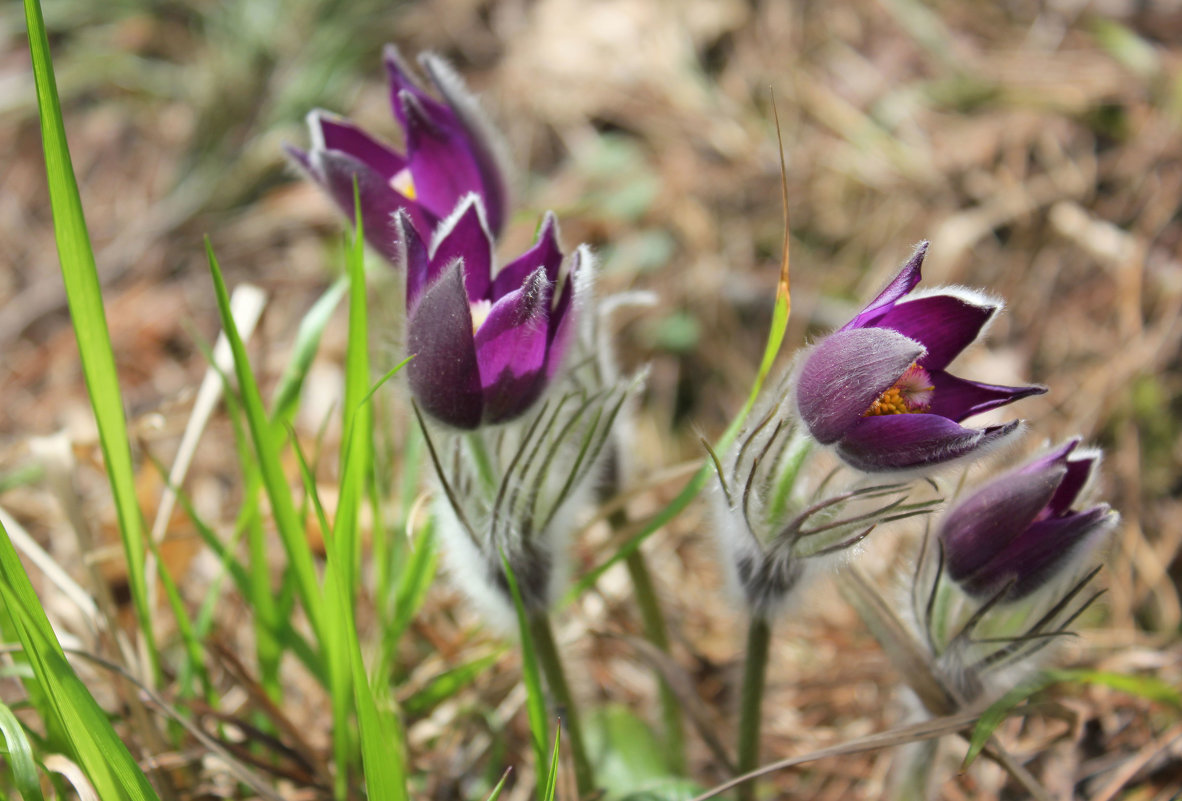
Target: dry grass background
[{"x": 1036, "y": 144}]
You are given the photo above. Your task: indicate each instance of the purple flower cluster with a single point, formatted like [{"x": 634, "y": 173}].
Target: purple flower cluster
[
  {"x": 486, "y": 342},
  {"x": 878, "y": 391}
]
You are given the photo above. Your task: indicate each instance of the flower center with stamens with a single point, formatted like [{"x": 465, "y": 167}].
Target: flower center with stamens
[
  {"x": 911, "y": 394},
  {"x": 404, "y": 184},
  {"x": 480, "y": 311}
]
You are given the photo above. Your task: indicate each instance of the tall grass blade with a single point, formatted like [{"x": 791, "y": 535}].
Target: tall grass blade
[
  {"x": 496, "y": 791},
  {"x": 307, "y": 341},
  {"x": 357, "y": 419},
  {"x": 94, "y": 744},
  {"x": 84, "y": 296},
  {"x": 552, "y": 776},
  {"x": 266, "y": 448},
  {"x": 381, "y": 736},
  {"x": 447, "y": 684},
  {"x": 19, "y": 755}
]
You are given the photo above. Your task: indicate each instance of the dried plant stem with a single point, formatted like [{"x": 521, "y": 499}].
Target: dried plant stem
[
  {"x": 551, "y": 662},
  {"x": 759, "y": 637},
  {"x": 654, "y": 629}
]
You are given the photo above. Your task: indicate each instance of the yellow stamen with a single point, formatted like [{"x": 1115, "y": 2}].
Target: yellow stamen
[
  {"x": 911, "y": 394},
  {"x": 404, "y": 184}
]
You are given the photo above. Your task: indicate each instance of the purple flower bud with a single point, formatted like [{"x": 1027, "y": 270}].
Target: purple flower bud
[
  {"x": 1020, "y": 529},
  {"x": 878, "y": 391},
  {"x": 451, "y": 151},
  {"x": 485, "y": 346}
]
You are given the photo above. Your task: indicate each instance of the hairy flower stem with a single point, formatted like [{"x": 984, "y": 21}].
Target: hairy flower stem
[
  {"x": 654, "y": 628},
  {"x": 759, "y": 637},
  {"x": 547, "y": 651}
]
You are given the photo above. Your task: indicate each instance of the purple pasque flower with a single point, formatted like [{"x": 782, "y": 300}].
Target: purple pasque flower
[
  {"x": 1020, "y": 530},
  {"x": 486, "y": 342},
  {"x": 451, "y": 149},
  {"x": 877, "y": 389}
]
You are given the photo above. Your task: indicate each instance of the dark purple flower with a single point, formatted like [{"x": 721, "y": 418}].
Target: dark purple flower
[
  {"x": 1020, "y": 529},
  {"x": 485, "y": 344},
  {"x": 878, "y": 391},
  {"x": 451, "y": 150}
]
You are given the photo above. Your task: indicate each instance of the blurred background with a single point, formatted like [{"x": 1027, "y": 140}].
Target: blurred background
[{"x": 1037, "y": 145}]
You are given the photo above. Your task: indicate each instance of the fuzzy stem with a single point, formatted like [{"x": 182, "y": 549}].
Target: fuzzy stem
[
  {"x": 547, "y": 652},
  {"x": 654, "y": 629},
  {"x": 759, "y": 637}
]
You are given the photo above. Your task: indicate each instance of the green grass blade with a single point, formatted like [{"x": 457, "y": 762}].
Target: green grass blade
[
  {"x": 552, "y": 776},
  {"x": 84, "y": 296},
  {"x": 357, "y": 419},
  {"x": 291, "y": 531},
  {"x": 414, "y": 581},
  {"x": 335, "y": 644},
  {"x": 531, "y": 675},
  {"x": 496, "y": 791},
  {"x": 307, "y": 341},
  {"x": 447, "y": 684},
  {"x": 55, "y": 738},
  {"x": 96, "y": 747},
  {"x": 382, "y": 740},
  {"x": 381, "y": 737},
  {"x": 19, "y": 755},
  {"x": 193, "y": 648},
  {"x": 282, "y": 630},
  {"x": 1149, "y": 687},
  {"x": 255, "y": 583}
]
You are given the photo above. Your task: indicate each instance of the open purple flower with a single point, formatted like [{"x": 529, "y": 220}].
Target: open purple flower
[
  {"x": 1020, "y": 529},
  {"x": 485, "y": 342},
  {"x": 878, "y": 391},
  {"x": 451, "y": 150}
]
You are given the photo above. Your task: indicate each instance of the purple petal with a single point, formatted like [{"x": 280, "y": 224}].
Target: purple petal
[
  {"x": 402, "y": 80},
  {"x": 562, "y": 319},
  {"x": 346, "y": 137},
  {"x": 958, "y": 398},
  {"x": 335, "y": 171},
  {"x": 484, "y": 140},
  {"x": 906, "y": 280},
  {"x": 985, "y": 523},
  {"x": 511, "y": 349},
  {"x": 914, "y": 441},
  {"x": 845, "y": 374},
  {"x": 1056, "y": 456},
  {"x": 1079, "y": 469},
  {"x": 944, "y": 324},
  {"x": 465, "y": 235},
  {"x": 544, "y": 253},
  {"x": 1042, "y": 551},
  {"x": 412, "y": 257},
  {"x": 444, "y": 376},
  {"x": 439, "y": 155}
]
